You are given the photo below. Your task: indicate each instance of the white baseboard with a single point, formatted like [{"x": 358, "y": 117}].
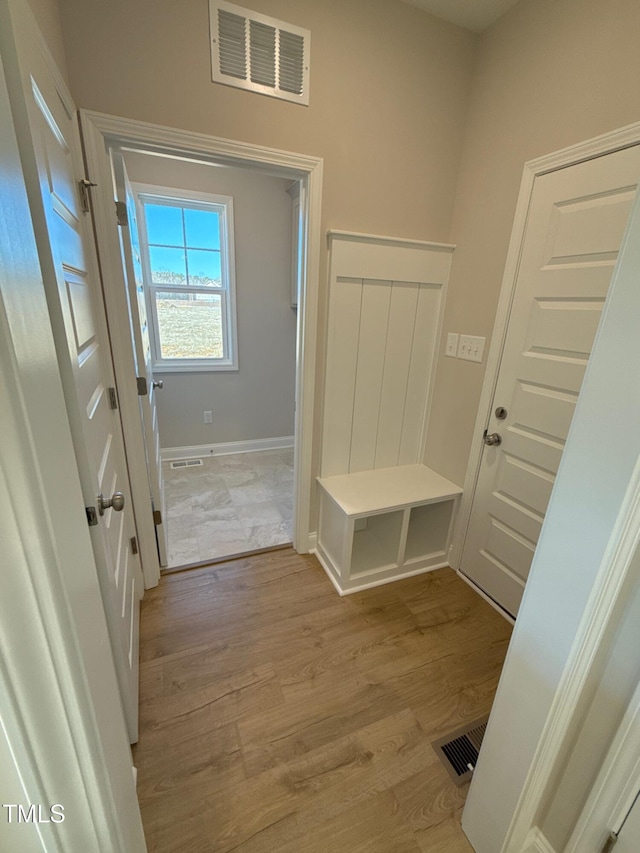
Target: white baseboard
[
  {"x": 537, "y": 843},
  {"x": 487, "y": 598},
  {"x": 325, "y": 565},
  {"x": 370, "y": 584},
  {"x": 169, "y": 454}
]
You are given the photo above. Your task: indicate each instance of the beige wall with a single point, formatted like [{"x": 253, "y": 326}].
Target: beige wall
[
  {"x": 389, "y": 88},
  {"x": 550, "y": 73},
  {"x": 389, "y": 95},
  {"x": 256, "y": 401},
  {"x": 47, "y": 14}
]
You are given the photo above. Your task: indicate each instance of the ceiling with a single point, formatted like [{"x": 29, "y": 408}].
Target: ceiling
[{"x": 475, "y": 15}]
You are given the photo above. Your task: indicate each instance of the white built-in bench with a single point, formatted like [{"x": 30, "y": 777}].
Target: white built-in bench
[{"x": 382, "y": 525}]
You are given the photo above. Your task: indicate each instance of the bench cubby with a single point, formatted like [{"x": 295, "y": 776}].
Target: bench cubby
[{"x": 381, "y": 525}]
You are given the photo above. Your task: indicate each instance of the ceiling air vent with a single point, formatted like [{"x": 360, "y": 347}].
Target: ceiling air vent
[{"x": 258, "y": 53}]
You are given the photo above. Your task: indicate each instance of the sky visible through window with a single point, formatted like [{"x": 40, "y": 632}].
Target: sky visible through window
[{"x": 184, "y": 245}]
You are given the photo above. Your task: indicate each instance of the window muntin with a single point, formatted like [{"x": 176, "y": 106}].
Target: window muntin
[{"x": 187, "y": 253}]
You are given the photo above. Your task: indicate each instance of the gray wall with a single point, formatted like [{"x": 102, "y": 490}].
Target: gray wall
[{"x": 257, "y": 400}]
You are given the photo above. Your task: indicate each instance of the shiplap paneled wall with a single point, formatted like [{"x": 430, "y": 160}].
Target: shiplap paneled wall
[{"x": 386, "y": 299}]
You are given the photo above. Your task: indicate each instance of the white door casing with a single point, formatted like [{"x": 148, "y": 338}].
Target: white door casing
[
  {"x": 138, "y": 323},
  {"x": 576, "y": 221},
  {"x": 102, "y": 132},
  {"x": 53, "y": 169}
]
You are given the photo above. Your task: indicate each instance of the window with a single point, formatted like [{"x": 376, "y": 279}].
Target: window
[{"x": 187, "y": 258}]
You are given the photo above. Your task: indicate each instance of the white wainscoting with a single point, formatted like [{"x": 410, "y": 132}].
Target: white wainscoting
[
  {"x": 386, "y": 301},
  {"x": 169, "y": 454}
]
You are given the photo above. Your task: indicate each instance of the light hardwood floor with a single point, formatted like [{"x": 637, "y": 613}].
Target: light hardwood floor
[{"x": 276, "y": 717}]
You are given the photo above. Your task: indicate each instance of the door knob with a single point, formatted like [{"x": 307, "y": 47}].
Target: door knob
[
  {"x": 492, "y": 439},
  {"x": 158, "y": 383},
  {"x": 116, "y": 502}
]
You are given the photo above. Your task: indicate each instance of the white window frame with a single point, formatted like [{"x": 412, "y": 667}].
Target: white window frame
[{"x": 147, "y": 193}]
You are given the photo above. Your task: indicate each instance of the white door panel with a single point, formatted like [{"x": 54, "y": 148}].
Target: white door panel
[
  {"x": 74, "y": 294},
  {"x": 576, "y": 221},
  {"x": 138, "y": 321}
]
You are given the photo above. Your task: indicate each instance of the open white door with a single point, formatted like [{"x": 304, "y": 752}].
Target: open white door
[
  {"x": 130, "y": 244},
  {"x": 63, "y": 734},
  {"x": 576, "y": 221},
  {"x": 50, "y": 146}
]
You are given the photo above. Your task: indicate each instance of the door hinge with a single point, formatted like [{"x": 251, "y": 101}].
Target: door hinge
[
  {"x": 143, "y": 389},
  {"x": 92, "y": 515},
  {"x": 134, "y": 545},
  {"x": 157, "y": 517},
  {"x": 610, "y": 843},
  {"x": 122, "y": 216},
  {"x": 84, "y": 185},
  {"x": 113, "y": 398}
]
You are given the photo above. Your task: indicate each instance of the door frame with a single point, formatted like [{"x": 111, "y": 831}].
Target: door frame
[
  {"x": 615, "y": 789},
  {"x": 100, "y": 132},
  {"x": 607, "y": 143}
]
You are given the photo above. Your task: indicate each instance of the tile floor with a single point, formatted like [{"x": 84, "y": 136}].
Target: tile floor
[{"x": 228, "y": 505}]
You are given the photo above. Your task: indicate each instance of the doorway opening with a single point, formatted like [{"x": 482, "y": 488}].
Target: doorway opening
[
  {"x": 255, "y": 443},
  {"x": 215, "y": 248}
]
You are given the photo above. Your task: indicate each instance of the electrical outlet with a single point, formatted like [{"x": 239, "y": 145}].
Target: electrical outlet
[
  {"x": 208, "y": 417},
  {"x": 471, "y": 348},
  {"x": 452, "y": 345}
]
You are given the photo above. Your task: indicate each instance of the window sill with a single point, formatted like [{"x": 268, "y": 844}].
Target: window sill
[{"x": 194, "y": 367}]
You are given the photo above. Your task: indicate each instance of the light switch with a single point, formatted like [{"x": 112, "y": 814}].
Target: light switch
[
  {"x": 471, "y": 348},
  {"x": 452, "y": 345}
]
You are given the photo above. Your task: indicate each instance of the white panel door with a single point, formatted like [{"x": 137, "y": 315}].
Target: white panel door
[
  {"x": 577, "y": 217},
  {"x": 139, "y": 326},
  {"x": 63, "y": 234}
]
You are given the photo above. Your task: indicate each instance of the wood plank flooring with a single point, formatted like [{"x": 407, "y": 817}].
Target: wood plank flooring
[{"x": 276, "y": 717}]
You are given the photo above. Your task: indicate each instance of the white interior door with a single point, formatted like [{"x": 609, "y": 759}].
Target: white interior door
[
  {"x": 130, "y": 243},
  {"x": 576, "y": 221},
  {"x": 65, "y": 245}
]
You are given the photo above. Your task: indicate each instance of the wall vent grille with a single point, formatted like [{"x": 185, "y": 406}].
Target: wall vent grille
[
  {"x": 459, "y": 750},
  {"x": 185, "y": 463},
  {"x": 259, "y": 53}
]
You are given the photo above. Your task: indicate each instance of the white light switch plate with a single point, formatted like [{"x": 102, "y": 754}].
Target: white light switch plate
[
  {"x": 452, "y": 345},
  {"x": 471, "y": 348}
]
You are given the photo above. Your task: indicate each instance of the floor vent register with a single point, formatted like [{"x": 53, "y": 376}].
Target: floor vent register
[
  {"x": 459, "y": 750},
  {"x": 186, "y": 463}
]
